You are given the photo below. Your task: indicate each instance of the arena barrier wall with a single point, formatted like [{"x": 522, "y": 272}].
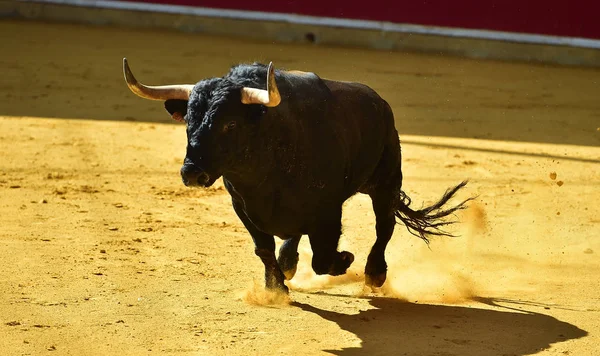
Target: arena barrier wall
[{"x": 543, "y": 31}]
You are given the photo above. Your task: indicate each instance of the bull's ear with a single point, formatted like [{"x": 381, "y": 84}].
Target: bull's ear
[{"x": 177, "y": 108}]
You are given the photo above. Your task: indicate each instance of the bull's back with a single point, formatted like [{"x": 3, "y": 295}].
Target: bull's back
[{"x": 338, "y": 131}]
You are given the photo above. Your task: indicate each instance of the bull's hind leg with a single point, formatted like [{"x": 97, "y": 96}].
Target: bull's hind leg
[
  {"x": 288, "y": 256},
  {"x": 376, "y": 268},
  {"x": 265, "y": 249},
  {"x": 324, "y": 242}
]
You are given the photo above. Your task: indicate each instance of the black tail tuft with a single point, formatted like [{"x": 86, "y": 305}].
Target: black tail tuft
[{"x": 429, "y": 221}]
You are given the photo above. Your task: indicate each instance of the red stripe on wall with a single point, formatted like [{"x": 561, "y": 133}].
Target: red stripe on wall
[{"x": 574, "y": 18}]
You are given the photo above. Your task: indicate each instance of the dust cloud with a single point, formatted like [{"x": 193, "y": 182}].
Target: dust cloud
[
  {"x": 440, "y": 273},
  {"x": 256, "y": 294},
  {"x": 444, "y": 272},
  {"x": 433, "y": 282},
  {"x": 475, "y": 219}
]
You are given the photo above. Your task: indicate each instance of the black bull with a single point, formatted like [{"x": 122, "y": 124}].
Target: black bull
[{"x": 290, "y": 155}]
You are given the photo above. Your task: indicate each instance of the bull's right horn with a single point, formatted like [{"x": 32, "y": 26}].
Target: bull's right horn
[
  {"x": 269, "y": 97},
  {"x": 163, "y": 92}
]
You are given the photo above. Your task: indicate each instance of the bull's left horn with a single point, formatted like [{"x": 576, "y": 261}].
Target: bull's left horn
[
  {"x": 269, "y": 97},
  {"x": 163, "y": 92}
]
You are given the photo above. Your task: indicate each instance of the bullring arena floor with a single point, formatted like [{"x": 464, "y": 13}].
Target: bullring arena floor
[{"x": 105, "y": 252}]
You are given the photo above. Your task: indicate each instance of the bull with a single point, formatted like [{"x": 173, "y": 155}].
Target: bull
[{"x": 291, "y": 148}]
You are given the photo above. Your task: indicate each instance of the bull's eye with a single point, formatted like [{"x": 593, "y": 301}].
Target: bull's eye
[{"x": 230, "y": 126}]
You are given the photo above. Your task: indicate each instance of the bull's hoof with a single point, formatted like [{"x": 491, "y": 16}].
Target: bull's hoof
[
  {"x": 288, "y": 265},
  {"x": 289, "y": 274},
  {"x": 376, "y": 280},
  {"x": 277, "y": 287},
  {"x": 281, "y": 289},
  {"x": 274, "y": 280},
  {"x": 341, "y": 263}
]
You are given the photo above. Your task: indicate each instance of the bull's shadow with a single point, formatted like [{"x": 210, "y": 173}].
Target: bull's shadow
[{"x": 396, "y": 327}]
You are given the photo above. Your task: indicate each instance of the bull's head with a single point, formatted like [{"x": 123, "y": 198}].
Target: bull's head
[{"x": 222, "y": 119}]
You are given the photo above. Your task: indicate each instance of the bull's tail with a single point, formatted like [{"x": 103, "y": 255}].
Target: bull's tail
[{"x": 431, "y": 220}]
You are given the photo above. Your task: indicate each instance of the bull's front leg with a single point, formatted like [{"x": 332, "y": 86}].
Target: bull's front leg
[
  {"x": 264, "y": 247},
  {"x": 324, "y": 242}
]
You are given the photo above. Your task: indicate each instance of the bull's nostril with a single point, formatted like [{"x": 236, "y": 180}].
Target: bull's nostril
[{"x": 203, "y": 178}]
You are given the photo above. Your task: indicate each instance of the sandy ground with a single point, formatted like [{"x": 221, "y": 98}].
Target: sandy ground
[{"x": 105, "y": 252}]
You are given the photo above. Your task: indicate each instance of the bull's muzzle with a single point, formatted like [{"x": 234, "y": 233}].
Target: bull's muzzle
[{"x": 194, "y": 177}]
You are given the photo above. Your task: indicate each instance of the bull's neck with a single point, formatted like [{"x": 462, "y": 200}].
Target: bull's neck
[{"x": 261, "y": 165}]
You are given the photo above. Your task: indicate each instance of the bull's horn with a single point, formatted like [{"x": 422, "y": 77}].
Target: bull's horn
[
  {"x": 269, "y": 97},
  {"x": 163, "y": 92}
]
